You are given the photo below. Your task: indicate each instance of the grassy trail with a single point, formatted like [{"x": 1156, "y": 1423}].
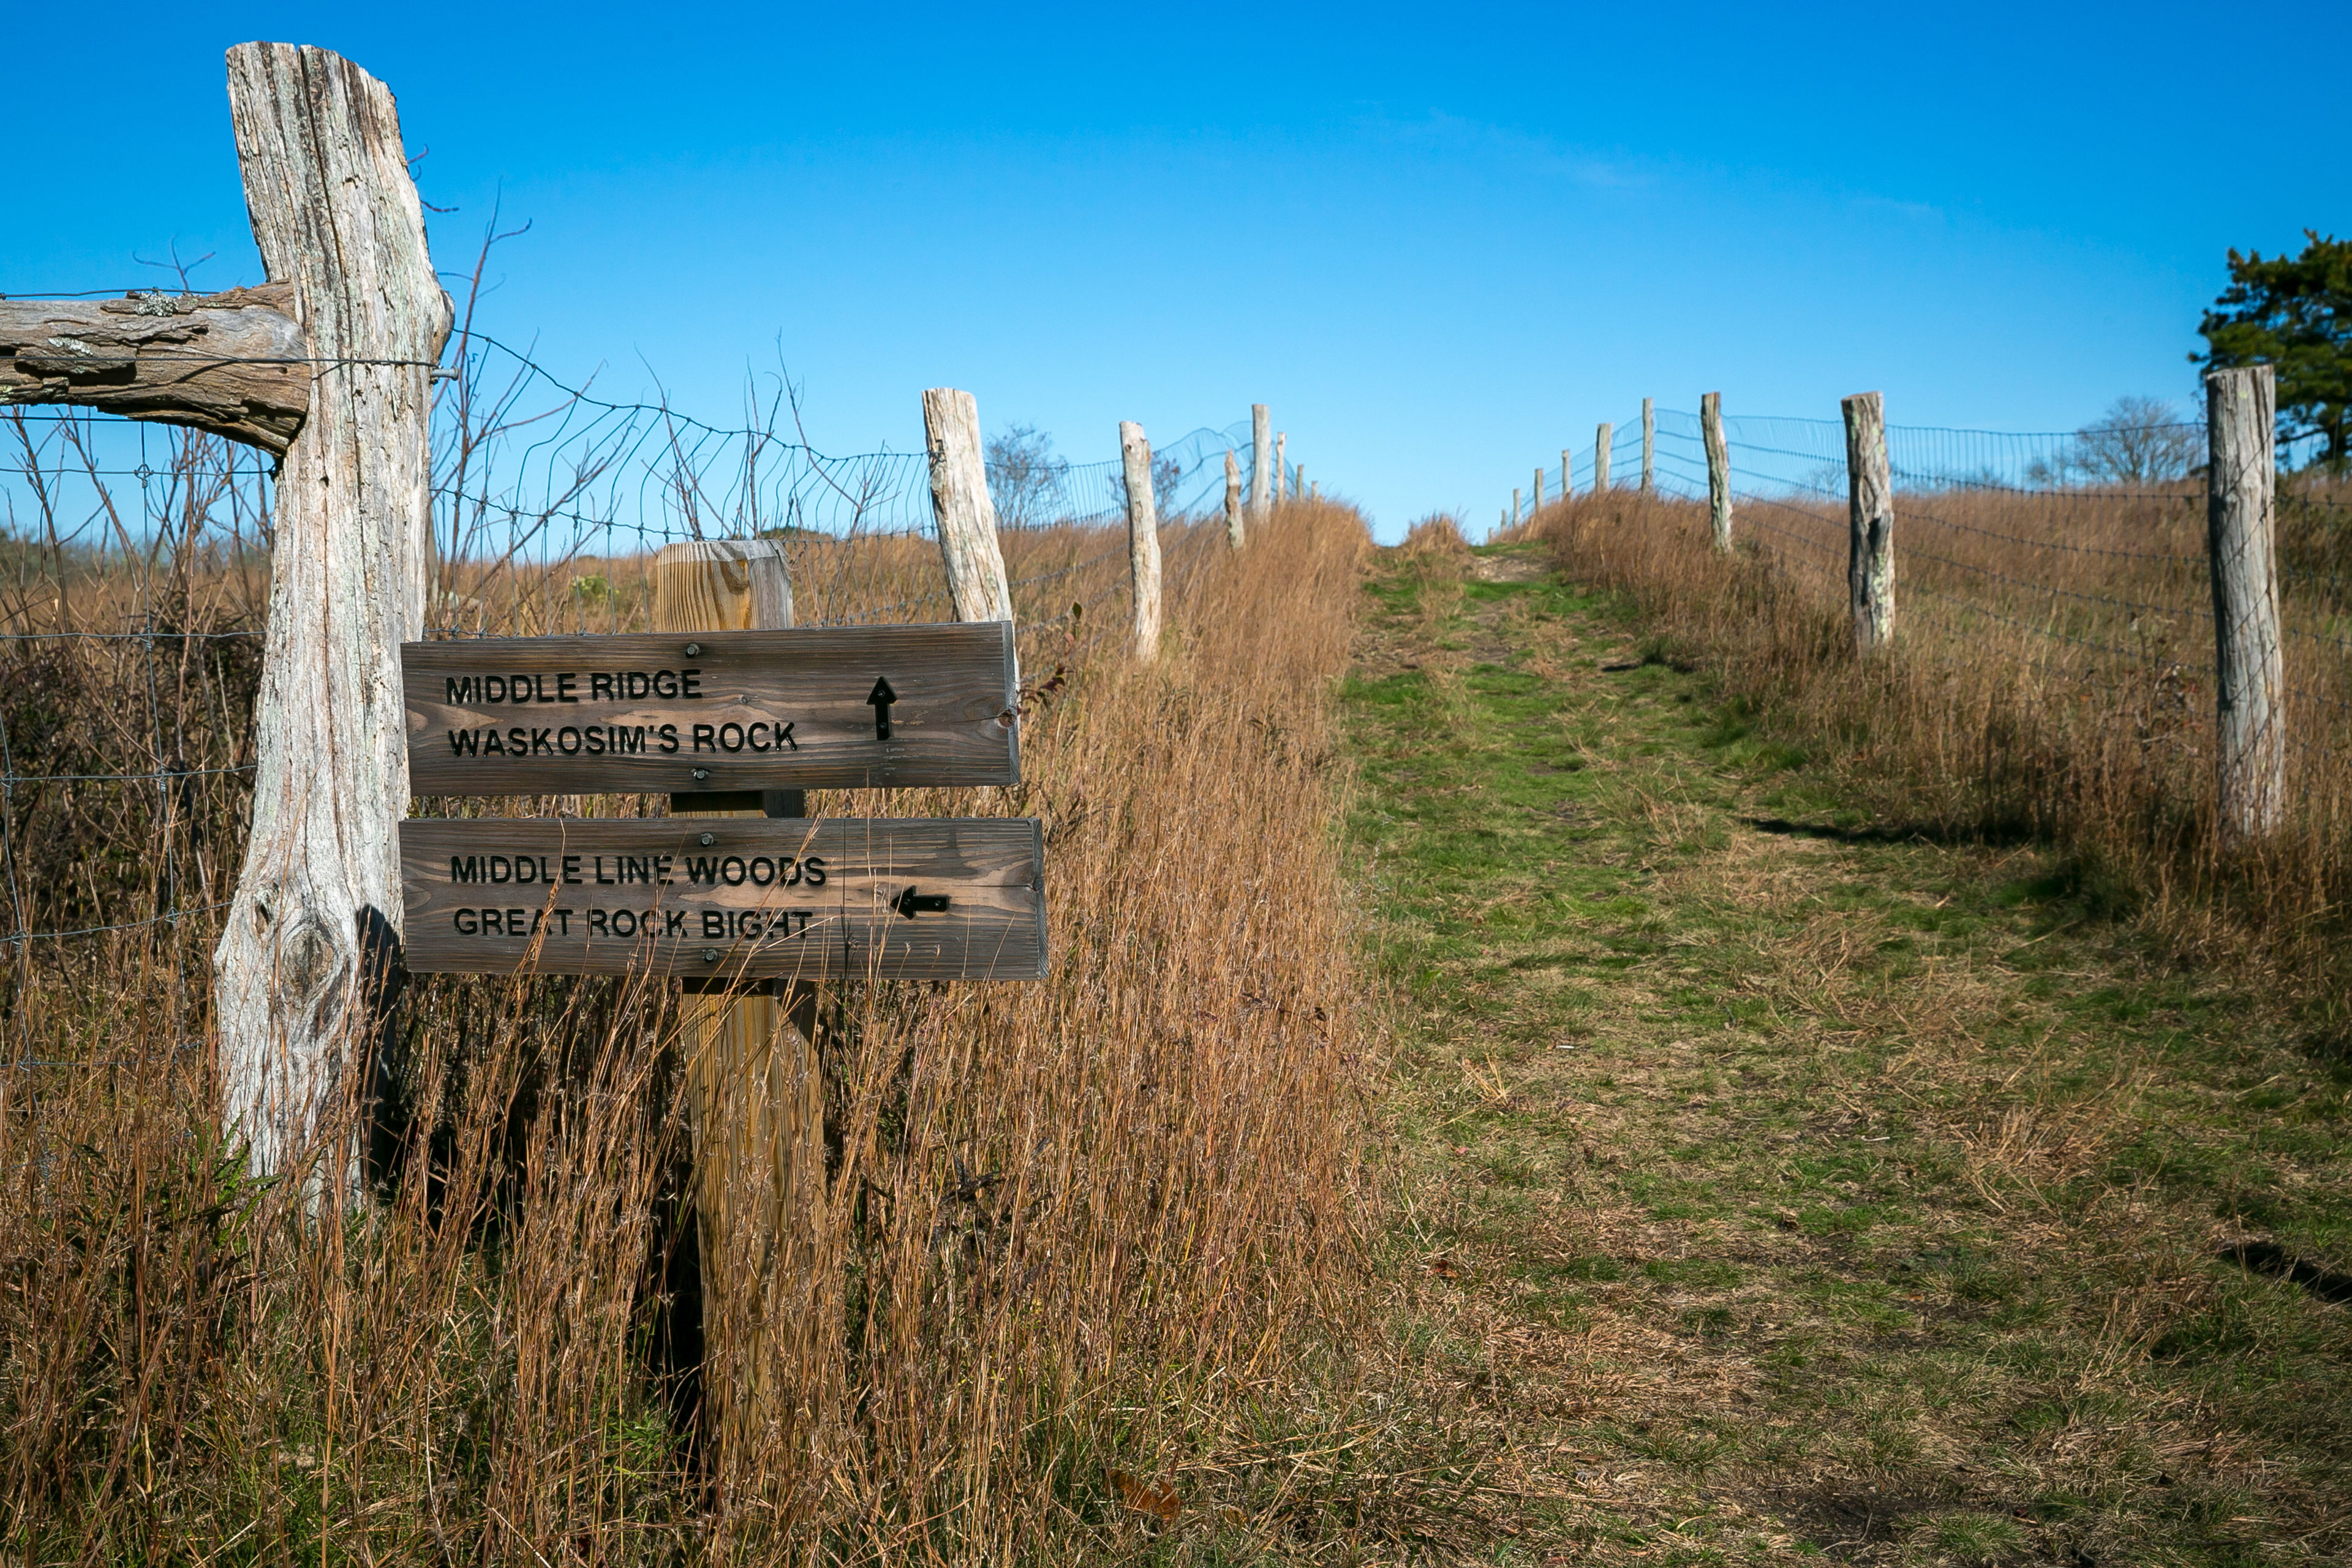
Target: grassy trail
[{"x": 1778, "y": 1183}]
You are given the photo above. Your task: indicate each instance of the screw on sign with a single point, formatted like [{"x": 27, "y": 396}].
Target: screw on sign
[
  {"x": 748, "y": 898},
  {"x": 727, "y": 712}
]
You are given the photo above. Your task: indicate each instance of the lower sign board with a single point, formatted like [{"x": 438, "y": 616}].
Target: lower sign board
[{"x": 726, "y": 898}]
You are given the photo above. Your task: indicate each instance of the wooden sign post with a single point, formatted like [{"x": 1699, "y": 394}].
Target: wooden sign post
[{"x": 737, "y": 895}]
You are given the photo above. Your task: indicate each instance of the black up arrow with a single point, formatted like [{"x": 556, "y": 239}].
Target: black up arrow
[
  {"x": 911, "y": 903},
  {"x": 880, "y": 699}
]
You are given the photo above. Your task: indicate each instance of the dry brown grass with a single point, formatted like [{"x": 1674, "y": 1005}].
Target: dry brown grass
[
  {"x": 2054, "y": 677},
  {"x": 1073, "y": 1233}
]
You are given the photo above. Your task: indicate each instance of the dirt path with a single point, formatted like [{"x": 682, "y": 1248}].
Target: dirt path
[{"x": 1780, "y": 1182}]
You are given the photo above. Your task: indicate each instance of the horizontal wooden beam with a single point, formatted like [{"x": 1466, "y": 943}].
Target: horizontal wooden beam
[{"x": 236, "y": 364}]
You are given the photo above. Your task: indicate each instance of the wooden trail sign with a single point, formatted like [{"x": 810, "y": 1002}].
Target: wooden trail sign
[
  {"x": 713, "y": 712},
  {"x": 727, "y": 898}
]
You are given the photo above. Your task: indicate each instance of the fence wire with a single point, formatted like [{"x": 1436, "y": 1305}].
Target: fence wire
[
  {"x": 2078, "y": 556},
  {"x": 134, "y": 577}
]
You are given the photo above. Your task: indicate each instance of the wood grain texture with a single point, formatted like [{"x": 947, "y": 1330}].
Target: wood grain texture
[
  {"x": 961, "y": 504},
  {"x": 1261, "y": 462},
  {"x": 1142, "y": 537},
  {"x": 1719, "y": 470},
  {"x": 1232, "y": 501},
  {"x": 309, "y": 951},
  {"x": 954, "y": 686},
  {"x": 235, "y": 364},
  {"x": 2241, "y": 547},
  {"x": 754, "y": 1090},
  {"x": 1600, "y": 440},
  {"x": 989, "y": 866},
  {"x": 1870, "y": 523},
  {"x": 722, "y": 586}
]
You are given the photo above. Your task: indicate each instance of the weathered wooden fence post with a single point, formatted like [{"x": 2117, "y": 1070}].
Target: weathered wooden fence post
[
  {"x": 1600, "y": 457},
  {"x": 755, "y": 1096},
  {"x": 962, "y": 506},
  {"x": 1718, "y": 469},
  {"x": 1282, "y": 491},
  {"x": 2249, "y": 655},
  {"x": 1142, "y": 538},
  {"x": 1261, "y": 462},
  {"x": 1870, "y": 523},
  {"x": 1232, "y": 501},
  {"x": 1515, "y": 506},
  {"x": 309, "y": 962},
  {"x": 1567, "y": 474},
  {"x": 1537, "y": 493},
  {"x": 1649, "y": 445},
  {"x": 1299, "y": 490}
]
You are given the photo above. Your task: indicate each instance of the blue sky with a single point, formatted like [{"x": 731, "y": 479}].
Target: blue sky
[{"x": 1441, "y": 242}]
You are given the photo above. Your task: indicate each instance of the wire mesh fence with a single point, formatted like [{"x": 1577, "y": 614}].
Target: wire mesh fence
[
  {"x": 2077, "y": 561},
  {"x": 134, "y": 576}
]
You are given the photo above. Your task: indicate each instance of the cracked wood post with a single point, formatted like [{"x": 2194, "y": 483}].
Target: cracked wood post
[
  {"x": 309, "y": 962},
  {"x": 233, "y": 363},
  {"x": 1649, "y": 445},
  {"x": 1261, "y": 462},
  {"x": 1232, "y": 501},
  {"x": 755, "y": 1096},
  {"x": 2249, "y": 656},
  {"x": 1719, "y": 470},
  {"x": 961, "y": 506},
  {"x": 1142, "y": 538},
  {"x": 1600, "y": 440},
  {"x": 1870, "y": 523}
]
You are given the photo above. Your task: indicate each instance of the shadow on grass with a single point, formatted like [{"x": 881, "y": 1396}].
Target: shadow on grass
[
  {"x": 2269, "y": 1258},
  {"x": 1989, "y": 837}
]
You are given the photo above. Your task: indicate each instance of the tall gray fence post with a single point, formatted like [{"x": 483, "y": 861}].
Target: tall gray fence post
[
  {"x": 1870, "y": 523},
  {"x": 1538, "y": 490},
  {"x": 962, "y": 508},
  {"x": 1142, "y": 538},
  {"x": 310, "y": 954},
  {"x": 1232, "y": 501},
  {"x": 1719, "y": 469},
  {"x": 2249, "y": 656},
  {"x": 1600, "y": 457},
  {"x": 1282, "y": 491},
  {"x": 1649, "y": 445},
  {"x": 1261, "y": 462},
  {"x": 1567, "y": 475}
]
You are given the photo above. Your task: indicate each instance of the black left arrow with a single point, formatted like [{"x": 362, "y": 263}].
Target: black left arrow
[
  {"x": 880, "y": 699},
  {"x": 910, "y": 903}
]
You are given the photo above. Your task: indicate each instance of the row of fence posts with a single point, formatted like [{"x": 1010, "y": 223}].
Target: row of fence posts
[
  {"x": 2241, "y": 551},
  {"x": 966, "y": 516}
]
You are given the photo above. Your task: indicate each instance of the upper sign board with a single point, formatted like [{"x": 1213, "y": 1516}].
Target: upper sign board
[{"x": 716, "y": 713}]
